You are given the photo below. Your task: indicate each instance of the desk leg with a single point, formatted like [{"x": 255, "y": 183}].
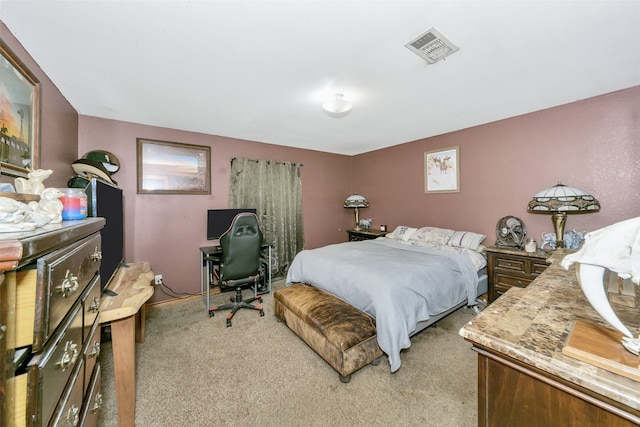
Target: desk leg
[
  {"x": 124, "y": 359},
  {"x": 203, "y": 267}
]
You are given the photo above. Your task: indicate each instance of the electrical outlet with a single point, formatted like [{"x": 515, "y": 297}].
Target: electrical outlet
[{"x": 158, "y": 279}]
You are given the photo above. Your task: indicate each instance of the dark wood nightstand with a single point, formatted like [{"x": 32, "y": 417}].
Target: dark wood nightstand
[
  {"x": 357, "y": 235},
  {"x": 509, "y": 267}
]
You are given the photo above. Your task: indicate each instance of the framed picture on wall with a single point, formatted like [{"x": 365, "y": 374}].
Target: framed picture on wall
[
  {"x": 442, "y": 170},
  {"x": 173, "y": 168},
  {"x": 19, "y": 116}
]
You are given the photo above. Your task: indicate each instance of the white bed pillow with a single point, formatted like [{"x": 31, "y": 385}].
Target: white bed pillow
[
  {"x": 435, "y": 235},
  {"x": 402, "y": 232},
  {"x": 466, "y": 239}
]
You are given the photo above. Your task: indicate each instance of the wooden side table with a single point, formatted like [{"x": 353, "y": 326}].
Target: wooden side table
[
  {"x": 358, "y": 235},
  {"x": 509, "y": 267},
  {"x": 125, "y": 313}
]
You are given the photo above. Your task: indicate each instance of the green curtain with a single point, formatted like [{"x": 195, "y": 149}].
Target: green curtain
[{"x": 275, "y": 190}]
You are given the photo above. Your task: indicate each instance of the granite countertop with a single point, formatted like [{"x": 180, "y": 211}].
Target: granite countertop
[{"x": 532, "y": 325}]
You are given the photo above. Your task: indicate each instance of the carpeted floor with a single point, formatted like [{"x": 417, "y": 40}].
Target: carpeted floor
[{"x": 192, "y": 370}]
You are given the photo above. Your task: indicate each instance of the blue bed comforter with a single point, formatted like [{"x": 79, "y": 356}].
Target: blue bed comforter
[{"x": 397, "y": 284}]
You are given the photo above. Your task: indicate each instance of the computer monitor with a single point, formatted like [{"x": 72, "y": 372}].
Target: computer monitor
[{"x": 219, "y": 220}]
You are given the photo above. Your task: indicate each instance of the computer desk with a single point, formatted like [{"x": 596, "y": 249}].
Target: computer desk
[{"x": 209, "y": 259}]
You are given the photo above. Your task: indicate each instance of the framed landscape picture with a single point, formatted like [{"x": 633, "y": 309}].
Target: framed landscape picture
[
  {"x": 19, "y": 116},
  {"x": 173, "y": 168},
  {"x": 442, "y": 170}
]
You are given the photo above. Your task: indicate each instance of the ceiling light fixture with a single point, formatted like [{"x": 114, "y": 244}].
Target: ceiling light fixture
[{"x": 336, "y": 104}]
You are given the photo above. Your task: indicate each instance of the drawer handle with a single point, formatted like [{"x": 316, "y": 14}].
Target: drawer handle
[
  {"x": 3, "y": 329},
  {"x": 69, "y": 356},
  {"x": 97, "y": 405},
  {"x": 73, "y": 416},
  {"x": 69, "y": 284},
  {"x": 95, "y": 305},
  {"x": 96, "y": 255},
  {"x": 95, "y": 350},
  {"x": 519, "y": 282}
]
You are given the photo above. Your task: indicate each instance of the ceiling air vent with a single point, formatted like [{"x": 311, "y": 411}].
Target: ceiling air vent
[{"x": 431, "y": 46}]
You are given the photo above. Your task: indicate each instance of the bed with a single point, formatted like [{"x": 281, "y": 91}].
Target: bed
[{"x": 406, "y": 281}]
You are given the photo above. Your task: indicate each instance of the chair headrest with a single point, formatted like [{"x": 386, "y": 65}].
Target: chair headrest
[{"x": 244, "y": 224}]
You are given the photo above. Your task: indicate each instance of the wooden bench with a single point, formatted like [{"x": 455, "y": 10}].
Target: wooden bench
[
  {"x": 125, "y": 312},
  {"x": 342, "y": 335}
]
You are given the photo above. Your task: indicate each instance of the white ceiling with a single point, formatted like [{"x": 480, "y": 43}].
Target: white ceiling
[{"x": 258, "y": 70}]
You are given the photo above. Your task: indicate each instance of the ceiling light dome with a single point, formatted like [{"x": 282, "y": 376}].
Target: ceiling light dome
[{"x": 337, "y": 104}]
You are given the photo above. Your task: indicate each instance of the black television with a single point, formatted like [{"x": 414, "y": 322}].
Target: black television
[
  {"x": 106, "y": 201},
  {"x": 219, "y": 220}
]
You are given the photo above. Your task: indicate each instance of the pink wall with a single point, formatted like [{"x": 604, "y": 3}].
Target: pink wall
[
  {"x": 58, "y": 120},
  {"x": 591, "y": 144},
  {"x": 167, "y": 230}
]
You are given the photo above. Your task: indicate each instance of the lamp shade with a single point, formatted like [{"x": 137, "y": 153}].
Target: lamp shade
[
  {"x": 562, "y": 198},
  {"x": 356, "y": 201},
  {"x": 337, "y": 104}
]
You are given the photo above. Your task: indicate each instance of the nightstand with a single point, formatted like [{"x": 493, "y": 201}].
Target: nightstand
[
  {"x": 509, "y": 267},
  {"x": 358, "y": 235}
]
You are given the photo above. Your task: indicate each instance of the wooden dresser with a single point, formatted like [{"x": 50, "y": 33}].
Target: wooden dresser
[
  {"x": 49, "y": 325},
  {"x": 525, "y": 379},
  {"x": 509, "y": 267}
]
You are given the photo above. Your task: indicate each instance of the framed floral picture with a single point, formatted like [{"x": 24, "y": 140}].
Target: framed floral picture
[
  {"x": 173, "y": 168},
  {"x": 442, "y": 170},
  {"x": 19, "y": 116}
]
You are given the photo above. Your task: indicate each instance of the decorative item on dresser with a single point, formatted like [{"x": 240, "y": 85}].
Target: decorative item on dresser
[
  {"x": 51, "y": 341},
  {"x": 609, "y": 250},
  {"x": 357, "y": 235},
  {"x": 356, "y": 202},
  {"x": 559, "y": 201},
  {"x": 510, "y": 232},
  {"x": 509, "y": 267}
]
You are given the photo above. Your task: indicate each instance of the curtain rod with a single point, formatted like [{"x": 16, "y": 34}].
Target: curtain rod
[{"x": 268, "y": 161}]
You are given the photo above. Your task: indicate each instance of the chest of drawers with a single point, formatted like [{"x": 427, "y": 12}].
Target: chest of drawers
[
  {"x": 511, "y": 267},
  {"x": 359, "y": 235},
  {"x": 50, "y": 290}
]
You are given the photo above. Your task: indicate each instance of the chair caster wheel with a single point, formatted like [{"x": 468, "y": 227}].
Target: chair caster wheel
[
  {"x": 261, "y": 313},
  {"x": 211, "y": 313},
  {"x": 228, "y": 323},
  {"x": 260, "y": 300}
]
